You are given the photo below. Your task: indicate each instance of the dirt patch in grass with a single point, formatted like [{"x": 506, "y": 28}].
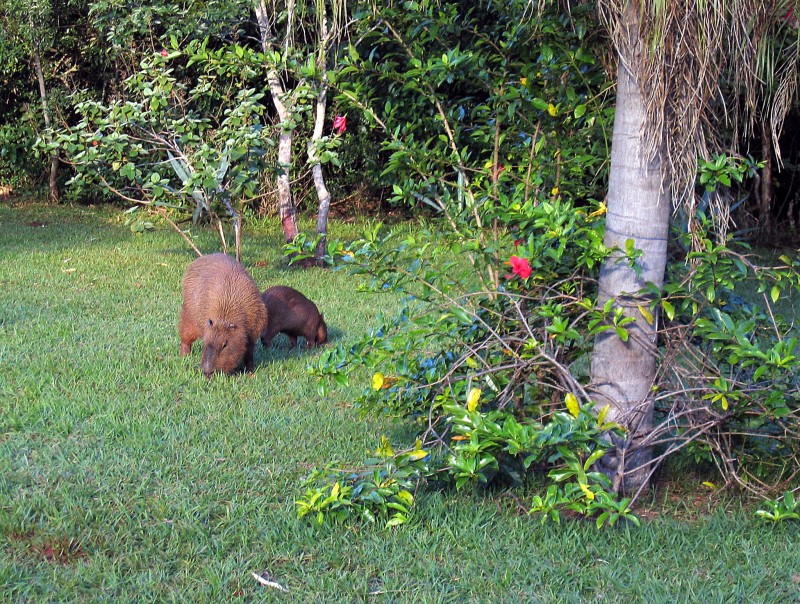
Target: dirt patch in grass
[{"x": 59, "y": 550}]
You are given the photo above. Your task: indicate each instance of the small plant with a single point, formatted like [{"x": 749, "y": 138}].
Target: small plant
[
  {"x": 303, "y": 249},
  {"x": 381, "y": 491},
  {"x": 485, "y": 446},
  {"x": 582, "y": 491},
  {"x": 724, "y": 170},
  {"x": 785, "y": 508}
]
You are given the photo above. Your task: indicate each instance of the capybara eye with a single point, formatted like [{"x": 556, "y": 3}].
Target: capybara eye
[{"x": 210, "y": 323}]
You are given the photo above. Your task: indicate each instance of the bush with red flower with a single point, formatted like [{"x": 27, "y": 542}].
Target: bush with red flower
[{"x": 520, "y": 267}]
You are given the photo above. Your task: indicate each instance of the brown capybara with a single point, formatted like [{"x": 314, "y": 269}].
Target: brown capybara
[
  {"x": 221, "y": 305},
  {"x": 290, "y": 312}
]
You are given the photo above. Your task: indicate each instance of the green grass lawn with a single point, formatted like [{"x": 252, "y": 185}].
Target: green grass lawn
[{"x": 126, "y": 476}]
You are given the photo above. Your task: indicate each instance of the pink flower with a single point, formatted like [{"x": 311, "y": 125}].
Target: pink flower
[
  {"x": 164, "y": 52},
  {"x": 520, "y": 267},
  {"x": 340, "y": 124}
]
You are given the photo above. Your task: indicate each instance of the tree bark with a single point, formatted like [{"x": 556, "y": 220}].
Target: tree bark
[
  {"x": 287, "y": 210},
  {"x": 623, "y": 372},
  {"x": 766, "y": 193},
  {"x": 323, "y": 195},
  {"x": 54, "y": 161}
]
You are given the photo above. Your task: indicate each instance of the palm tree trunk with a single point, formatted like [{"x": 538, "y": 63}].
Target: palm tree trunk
[
  {"x": 287, "y": 210},
  {"x": 623, "y": 372}
]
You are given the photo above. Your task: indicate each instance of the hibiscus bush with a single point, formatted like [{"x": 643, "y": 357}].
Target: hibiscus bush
[
  {"x": 496, "y": 380},
  {"x": 493, "y": 378},
  {"x": 489, "y": 356}
]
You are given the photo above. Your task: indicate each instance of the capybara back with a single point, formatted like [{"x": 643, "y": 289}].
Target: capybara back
[
  {"x": 290, "y": 312},
  {"x": 222, "y": 306}
]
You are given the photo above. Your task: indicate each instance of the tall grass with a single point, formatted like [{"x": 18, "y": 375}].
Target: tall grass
[{"x": 126, "y": 476}]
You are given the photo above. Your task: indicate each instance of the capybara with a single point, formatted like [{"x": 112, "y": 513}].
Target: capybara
[
  {"x": 290, "y": 312},
  {"x": 221, "y": 305}
]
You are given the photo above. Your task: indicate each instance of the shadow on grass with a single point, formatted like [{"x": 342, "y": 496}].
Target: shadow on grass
[{"x": 281, "y": 350}]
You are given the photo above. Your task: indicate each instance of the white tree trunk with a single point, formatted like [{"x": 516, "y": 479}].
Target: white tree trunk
[
  {"x": 639, "y": 208},
  {"x": 323, "y": 195},
  {"x": 286, "y": 208}
]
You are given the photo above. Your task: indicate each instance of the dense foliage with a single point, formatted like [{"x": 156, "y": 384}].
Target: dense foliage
[
  {"x": 489, "y": 357},
  {"x": 165, "y": 141},
  {"x": 511, "y": 106}
]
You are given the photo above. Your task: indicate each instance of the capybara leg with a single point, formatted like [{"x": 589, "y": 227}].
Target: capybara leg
[
  {"x": 292, "y": 341},
  {"x": 249, "y": 361},
  {"x": 187, "y": 333}
]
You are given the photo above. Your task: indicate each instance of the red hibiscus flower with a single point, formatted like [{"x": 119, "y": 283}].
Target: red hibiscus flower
[
  {"x": 340, "y": 124},
  {"x": 520, "y": 267}
]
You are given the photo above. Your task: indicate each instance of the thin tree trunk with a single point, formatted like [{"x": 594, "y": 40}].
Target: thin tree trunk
[
  {"x": 766, "y": 197},
  {"x": 322, "y": 215},
  {"x": 37, "y": 63},
  {"x": 623, "y": 373},
  {"x": 287, "y": 210},
  {"x": 323, "y": 195}
]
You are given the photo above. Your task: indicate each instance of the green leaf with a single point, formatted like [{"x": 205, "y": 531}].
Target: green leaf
[
  {"x": 593, "y": 458},
  {"x": 397, "y": 520},
  {"x": 669, "y": 309},
  {"x": 406, "y": 497}
]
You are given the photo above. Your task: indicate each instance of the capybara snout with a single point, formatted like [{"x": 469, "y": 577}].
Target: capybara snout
[
  {"x": 222, "y": 306},
  {"x": 290, "y": 312},
  {"x": 223, "y": 344}
]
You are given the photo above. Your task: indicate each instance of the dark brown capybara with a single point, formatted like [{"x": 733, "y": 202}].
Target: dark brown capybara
[
  {"x": 290, "y": 312},
  {"x": 222, "y": 306}
]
